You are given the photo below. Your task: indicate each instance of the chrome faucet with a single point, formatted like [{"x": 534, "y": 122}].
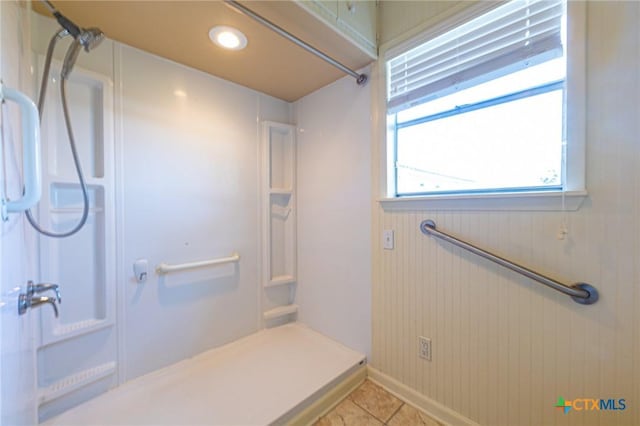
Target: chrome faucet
[
  {"x": 40, "y": 288},
  {"x": 35, "y": 301},
  {"x": 30, "y": 300}
]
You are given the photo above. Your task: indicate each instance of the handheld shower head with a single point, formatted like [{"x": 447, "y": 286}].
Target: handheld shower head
[
  {"x": 70, "y": 59},
  {"x": 90, "y": 38}
]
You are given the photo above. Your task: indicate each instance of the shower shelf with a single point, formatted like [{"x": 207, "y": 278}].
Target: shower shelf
[
  {"x": 280, "y": 311},
  {"x": 72, "y": 181},
  {"x": 75, "y": 210},
  {"x": 281, "y": 280},
  {"x": 75, "y": 329},
  {"x": 278, "y": 211},
  {"x": 76, "y": 381},
  {"x": 280, "y": 191}
]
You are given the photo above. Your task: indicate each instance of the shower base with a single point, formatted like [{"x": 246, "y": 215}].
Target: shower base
[{"x": 269, "y": 377}]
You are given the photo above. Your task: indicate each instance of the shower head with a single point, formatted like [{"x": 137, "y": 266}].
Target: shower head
[{"x": 90, "y": 38}]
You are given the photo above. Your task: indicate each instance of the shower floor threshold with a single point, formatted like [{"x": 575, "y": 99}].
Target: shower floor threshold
[{"x": 257, "y": 380}]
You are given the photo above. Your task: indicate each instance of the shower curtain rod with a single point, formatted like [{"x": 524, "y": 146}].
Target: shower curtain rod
[{"x": 361, "y": 79}]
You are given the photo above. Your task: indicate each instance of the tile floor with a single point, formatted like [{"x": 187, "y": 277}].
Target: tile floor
[{"x": 371, "y": 405}]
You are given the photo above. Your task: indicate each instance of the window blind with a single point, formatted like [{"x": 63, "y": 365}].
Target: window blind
[{"x": 515, "y": 35}]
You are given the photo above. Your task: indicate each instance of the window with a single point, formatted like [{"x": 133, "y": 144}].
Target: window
[{"x": 482, "y": 107}]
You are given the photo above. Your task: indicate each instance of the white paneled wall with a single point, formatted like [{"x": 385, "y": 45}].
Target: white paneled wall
[
  {"x": 334, "y": 212},
  {"x": 190, "y": 192},
  {"x": 77, "y": 353},
  {"x": 504, "y": 347},
  {"x": 17, "y": 246}
]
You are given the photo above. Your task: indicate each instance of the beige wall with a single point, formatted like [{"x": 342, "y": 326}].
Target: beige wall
[
  {"x": 504, "y": 347},
  {"x": 396, "y": 18}
]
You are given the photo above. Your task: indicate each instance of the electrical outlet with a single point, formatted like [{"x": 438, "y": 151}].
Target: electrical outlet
[{"x": 424, "y": 348}]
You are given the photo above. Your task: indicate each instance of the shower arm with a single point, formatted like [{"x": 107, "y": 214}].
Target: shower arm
[
  {"x": 361, "y": 79},
  {"x": 64, "y": 22}
]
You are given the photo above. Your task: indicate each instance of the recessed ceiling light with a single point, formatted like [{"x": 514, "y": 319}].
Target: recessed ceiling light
[{"x": 228, "y": 38}]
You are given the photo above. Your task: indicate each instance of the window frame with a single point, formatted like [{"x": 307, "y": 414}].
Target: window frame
[{"x": 573, "y": 193}]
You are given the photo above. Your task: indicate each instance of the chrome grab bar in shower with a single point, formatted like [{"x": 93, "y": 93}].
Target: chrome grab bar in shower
[
  {"x": 580, "y": 292},
  {"x": 164, "y": 268}
]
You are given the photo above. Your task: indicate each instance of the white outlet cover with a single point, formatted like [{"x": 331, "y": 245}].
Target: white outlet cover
[
  {"x": 424, "y": 348},
  {"x": 388, "y": 239}
]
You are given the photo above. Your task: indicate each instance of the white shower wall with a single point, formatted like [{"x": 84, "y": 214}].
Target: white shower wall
[
  {"x": 190, "y": 192},
  {"x": 186, "y": 167},
  {"x": 17, "y": 245},
  {"x": 334, "y": 212}
]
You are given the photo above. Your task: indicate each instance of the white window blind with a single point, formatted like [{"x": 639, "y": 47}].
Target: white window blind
[{"x": 515, "y": 35}]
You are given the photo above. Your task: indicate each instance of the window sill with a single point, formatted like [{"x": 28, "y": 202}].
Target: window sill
[{"x": 533, "y": 201}]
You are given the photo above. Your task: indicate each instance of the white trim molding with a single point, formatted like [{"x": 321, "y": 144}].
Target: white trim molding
[
  {"x": 575, "y": 191},
  {"x": 510, "y": 201},
  {"x": 434, "y": 409}
]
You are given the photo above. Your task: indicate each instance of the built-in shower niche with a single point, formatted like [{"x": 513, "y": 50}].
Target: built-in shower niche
[
  {"x": 76, "y": 263},
  {"x": 77, "y": 352},
  {"x": 282, "y": 232},
  {"x": 279, "y": 235},
  {"x": 87, "y": 97},
  {"x": 281, "y": 214},
  {"x": 82, "y": 264},
  {"x": 281, "y": 160}
]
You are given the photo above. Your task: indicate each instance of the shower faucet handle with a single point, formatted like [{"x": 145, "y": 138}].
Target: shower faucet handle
[
  {"x": 36, "y": 301},
  {"x": 41, "y": 288},
  {"x": 29, "y": 299}
]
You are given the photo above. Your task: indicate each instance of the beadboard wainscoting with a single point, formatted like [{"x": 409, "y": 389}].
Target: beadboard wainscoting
[{"x": 505, "y": 348}]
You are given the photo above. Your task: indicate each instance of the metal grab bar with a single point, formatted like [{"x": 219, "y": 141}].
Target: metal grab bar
[
  {"x": 580, "y": 292},
  {"x": 165, "y": 268}
]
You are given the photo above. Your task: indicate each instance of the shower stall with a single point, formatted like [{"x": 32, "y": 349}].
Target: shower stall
[{"x": 180, "y": 212}]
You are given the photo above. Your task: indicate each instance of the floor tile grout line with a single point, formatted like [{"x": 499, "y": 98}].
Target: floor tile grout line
[
  {"x": 395, "y": 412},
  {"x": 350, "y": 398},
  {"x": 373, "y": 415},
  {"x": 365, "y": 410}
]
